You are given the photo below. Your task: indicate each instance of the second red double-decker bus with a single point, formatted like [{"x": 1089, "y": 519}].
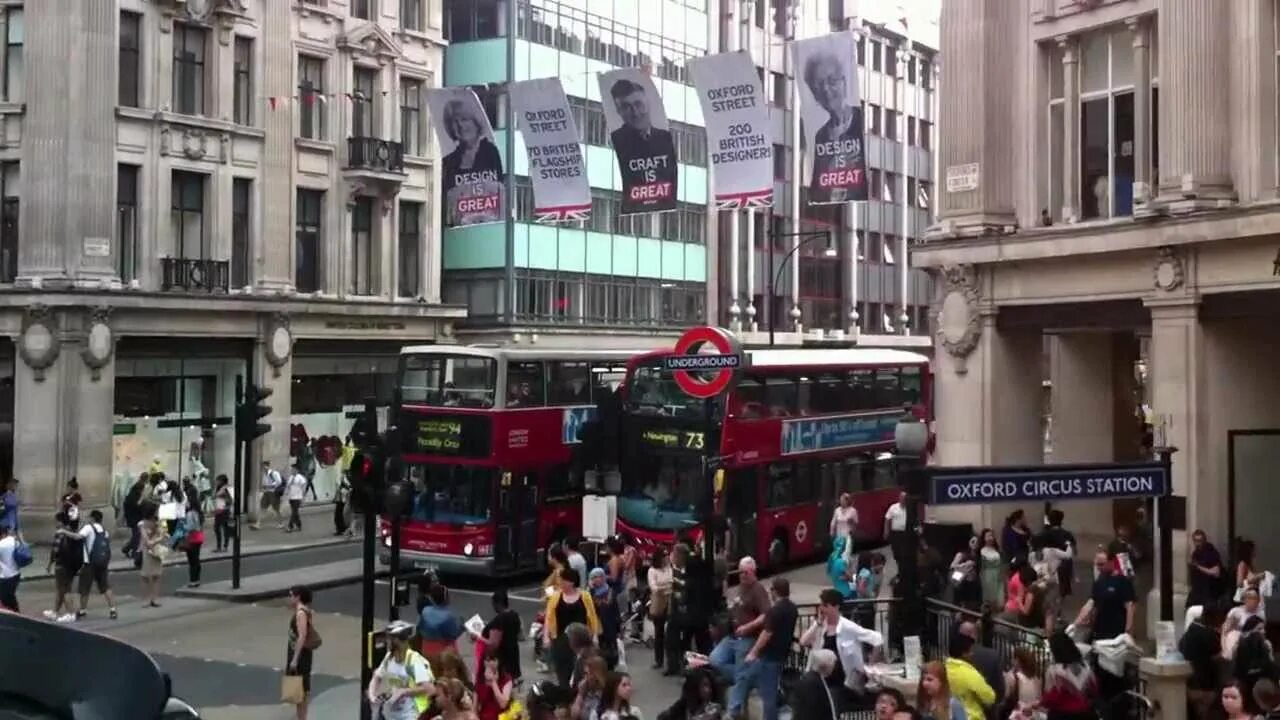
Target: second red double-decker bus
[
  {"x": 487, "y": 440},
  {"x": 800, "y": 427}
]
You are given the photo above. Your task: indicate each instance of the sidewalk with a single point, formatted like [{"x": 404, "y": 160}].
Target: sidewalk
[
  {"x": 317, "y": 531},
  {"x": 274, "y": 585}
]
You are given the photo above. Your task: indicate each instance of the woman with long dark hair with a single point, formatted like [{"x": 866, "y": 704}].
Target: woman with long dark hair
[{"x": 1070, "y": 688}]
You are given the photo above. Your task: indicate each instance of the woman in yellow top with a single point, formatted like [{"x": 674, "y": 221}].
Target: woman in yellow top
[
  {"x": 566, "y": 606},
  {"x": 967, "y": 684}
]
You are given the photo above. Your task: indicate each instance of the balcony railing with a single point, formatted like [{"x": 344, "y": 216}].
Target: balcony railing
[
  {"x": 364, "y": 153},
  {"x": 195, "y": 275}
]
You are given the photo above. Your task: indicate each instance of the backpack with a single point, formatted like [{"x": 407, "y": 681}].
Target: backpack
[
  {"x": 70, "y": 553},
  {"x": 100, "y": 550}
]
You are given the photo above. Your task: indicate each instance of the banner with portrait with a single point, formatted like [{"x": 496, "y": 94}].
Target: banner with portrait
[
  {"x": 831, "y": 113},
  {"x": 556, "y": 167},
  {"x": 737, "y": 121},
  {"x": 641, "y": 140},
  {"x": 472, "y": 176}
]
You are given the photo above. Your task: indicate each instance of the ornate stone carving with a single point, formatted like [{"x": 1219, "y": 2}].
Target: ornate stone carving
[
  {"x": 39, "y": 343},
  {"x": 193, "y": 144},
  {"x": 1168, "y": 272},
  {"x": 956, "y": 319},
  {"x": 371, "y": 42},
  {"x": 279, "y": 342},
  {"x": 99, "y": 342}
]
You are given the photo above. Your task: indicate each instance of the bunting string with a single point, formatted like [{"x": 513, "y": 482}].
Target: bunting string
[{"x": 276, "y": 102}]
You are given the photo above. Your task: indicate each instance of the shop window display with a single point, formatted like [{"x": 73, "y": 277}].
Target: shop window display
[{"x": 325, "y": 408}]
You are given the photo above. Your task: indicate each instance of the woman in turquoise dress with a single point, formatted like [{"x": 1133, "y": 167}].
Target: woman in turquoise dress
[
  {"x": 838, "y": 568},
  {"x": 990, "y": 572}
]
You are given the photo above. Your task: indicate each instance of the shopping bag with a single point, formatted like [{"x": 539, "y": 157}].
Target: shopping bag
[{"x": 291, "y": 690}]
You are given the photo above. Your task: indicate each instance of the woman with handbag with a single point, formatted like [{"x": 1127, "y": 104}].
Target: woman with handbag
[
  {"x": 193, "y": 540},
  {"x": 155, "y": 548},
  {"x": 304, "y": 640},
  {"x": 660, "y": 583}
]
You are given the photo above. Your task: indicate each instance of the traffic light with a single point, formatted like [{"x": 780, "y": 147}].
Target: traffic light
[
  {"x": 250, "y": 412},
  {"x": 368, "y": 478}
]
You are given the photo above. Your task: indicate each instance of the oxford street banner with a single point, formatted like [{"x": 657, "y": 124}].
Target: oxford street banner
[
  {"x": 473, "y": 178},
  {"x": 831, "y": 113},
  {"x": 556, "y": 168},
  {"x": 737, "y": 122},
  {"x": 641, "y": 140}
]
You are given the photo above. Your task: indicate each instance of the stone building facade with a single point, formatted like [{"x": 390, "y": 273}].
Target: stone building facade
[
  {"x": 1109, "y": 182},
  {"x": 200, "y": 194}
]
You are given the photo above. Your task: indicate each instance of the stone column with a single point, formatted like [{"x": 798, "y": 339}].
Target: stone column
[
  {"x": 1070, "y": 129},
  {"x": 275, "y": 246},
  {"x": 979, "y": 113},
  {"x": 46, "y": 152},
  {"x": 1166, "y": 686},
  {"x": 1195, "y": 120},
  {"x": 91, "y": 139},
  {"x": 1083, "y": 431},
  {"x": 1142, "y": 190},
  {"x": 274, "y": 446}
]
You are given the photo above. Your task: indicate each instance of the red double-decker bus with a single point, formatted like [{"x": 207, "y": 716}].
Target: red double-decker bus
[
  {"x": 487, "y": 438},
  {"x": 800, "y": 427}
]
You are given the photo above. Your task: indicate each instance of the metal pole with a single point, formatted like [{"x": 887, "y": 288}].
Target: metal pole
[
  {"x": 909, "y": 583},
  {"x": 711, "y": 527},
  {"x": 368, "y": 598},
  {"x": 237, "y": 475},
  {"x": 773, "y": 278},
  {"x": 1166, "y": 536},
  {"x": 395, "y": 567},
  {"x": 904, "y": 266}
]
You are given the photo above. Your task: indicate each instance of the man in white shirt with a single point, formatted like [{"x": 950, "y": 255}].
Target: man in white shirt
[
  {"x": 296, "y": 491},
  {"x": 97, "y": 560},
  {"x": 10, "y": 573},
  {"x": 272, "y": 489},
  {"x": 895, "y": 528}
]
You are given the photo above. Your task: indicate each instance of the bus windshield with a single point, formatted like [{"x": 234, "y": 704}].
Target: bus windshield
[
  {"x": 452, "y": 494},
  {"x": 653, "y": 391},
  {"x": 445, "y": 380},
  {"x": 662, "y": 492}
]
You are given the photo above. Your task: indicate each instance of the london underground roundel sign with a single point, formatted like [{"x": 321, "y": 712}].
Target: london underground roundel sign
[{"x": 705, "y": 375}]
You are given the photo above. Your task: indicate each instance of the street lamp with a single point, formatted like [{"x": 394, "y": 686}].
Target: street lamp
[
  {"x": 911, "y": 436},
  {"x": 806, "y": 238}
]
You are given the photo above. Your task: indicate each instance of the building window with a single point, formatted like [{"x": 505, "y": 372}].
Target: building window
[
  {"x": 779, "y": 16},
  {"x": 187, "y": 215},
  {"x": 872, "y": 119},
  {"x": 687, "y": 224},
  {"x": 310, "y": 86},
  {"x": 875, "y": 55},
  {"x": 691, "y": 143},
  {"x": 244, "y": 81},
  {"x": 411, "y": 116},
  {"x": 779, "y": 162},
  {"x": 13, "y": 65},
  {"x": 911, "y": 70},
  {"x": 362, "y": 103},
  {"x": 306, "y": 271},
  {"x": 127, "y": 221},
  {"x": 475, "y": 19},
  {"x": 1106, "y": 125},
  {"x": 362, "y": 257},
  {"x": 241, "y": 230},
  {"x": 409, "y": 250},
  {"x": 188, "y": 69},
  {"x": 411, "y": 15},
  {"x": 779, "y": 89},
  {"x": 926, "y": 75},
  {"x": 862, "y": 51},
  {"x": 130, "y": 59},
  {"x": 362, "y": 9},
  {"x": 11, "y": 182},
  {"x": 926, "y": 134},
  {"x": 911, "y": 131},
  {"x": 891, "y": 124}
]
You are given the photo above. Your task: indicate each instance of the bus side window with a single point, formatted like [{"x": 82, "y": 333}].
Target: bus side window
[
  {"x": 780, "y": 396},
  {"x": 912, "y": 385},
  {"x": 803, "y": 487},
  {"x": 888, "y": 388},
  {"x": 525, "y": 384},
  {"x": 862, "y": 389},
  {"x": 605, "y": 380},
  {"x": 561, "y": 482},
  {"x": 781, "y": 481},
  {"x": 830, "y": 394},
  {"x": 740, "y": 495},
  {"x": 569, "y": 383},
  {"x": 748, "y": 399}
]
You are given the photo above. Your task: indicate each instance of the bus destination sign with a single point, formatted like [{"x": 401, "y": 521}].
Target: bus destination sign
[
  {"x": 458, "y": 435},
  {"x": 695, "y": 440}
]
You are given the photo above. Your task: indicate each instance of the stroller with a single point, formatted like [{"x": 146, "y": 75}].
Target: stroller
[{"x": 633, "y": 619}]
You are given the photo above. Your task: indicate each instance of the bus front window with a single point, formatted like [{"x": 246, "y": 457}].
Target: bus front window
[
  {"x": 443, "y": 380},
  {"x": 654, "y": 391},
  {"x": 452, "y": 494},
  {"x": 662, "y": 492}
]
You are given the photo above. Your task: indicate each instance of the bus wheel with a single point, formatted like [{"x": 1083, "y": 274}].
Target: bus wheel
[{"x": 778, "y": 551}]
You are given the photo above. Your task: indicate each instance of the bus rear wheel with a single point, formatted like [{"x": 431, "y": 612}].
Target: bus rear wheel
[{"x": 778, "y": 551}]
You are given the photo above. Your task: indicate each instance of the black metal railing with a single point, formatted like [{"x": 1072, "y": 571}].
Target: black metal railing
[
  {"x": 195, "y": 275},
  {"x": 878, "y": 615},
  {"x": 365, "y": 153},
  {"x": 1004, "y": 637}
]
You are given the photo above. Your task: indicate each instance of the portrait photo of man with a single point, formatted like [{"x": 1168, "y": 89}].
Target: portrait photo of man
[
  {"x": 644, "y": 147},
  {"x": 832, "y": 116}
]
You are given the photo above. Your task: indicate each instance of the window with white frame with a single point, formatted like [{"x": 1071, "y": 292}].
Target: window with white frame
[
  {"x": 243, "y": 84},
  {"x": 15, "y": 35},
  {"x": 362, "y": 115},
  {"x": 362, "y": 9},
  {"x": 362, "y": 254},
  {"x": 1056, "y": 133},
  {"x": 189, "y": 48},
  {"x": 187, "y": 215},
  {"x": 411, "y": 116},
  {"x": 10, "y": 192},
  {"x": 411, "y": 15},
  {"x": 410, "y": 246},
  {"x": 310, "y": 225},
  {"x": 127, "y": 221},
  {"x": 1106, "y": 125},
  {"x": 311, "y": 87}
]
